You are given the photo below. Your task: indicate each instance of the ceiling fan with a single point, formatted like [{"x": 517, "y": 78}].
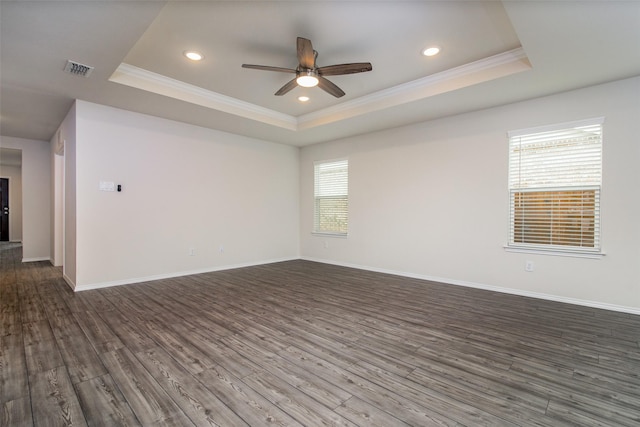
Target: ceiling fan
[{"x": 308, "y": 74}]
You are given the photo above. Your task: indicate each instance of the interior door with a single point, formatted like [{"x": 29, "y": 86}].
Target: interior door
[{"x": 4, "y": 209}]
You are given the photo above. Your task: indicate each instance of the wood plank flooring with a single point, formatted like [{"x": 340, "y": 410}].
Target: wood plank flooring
[{"x": 305, "y": 344}]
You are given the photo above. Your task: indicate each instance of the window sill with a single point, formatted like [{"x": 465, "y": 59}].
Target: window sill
[
  {"x": 554, "y": 252},
  {"x": 329, "y": 234}
]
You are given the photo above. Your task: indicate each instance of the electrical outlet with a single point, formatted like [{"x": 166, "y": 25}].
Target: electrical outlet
[
  {"x": 192, "y": 251},
  {"x": 221, "y": 249},
  {"x": 528, "y": 266}
]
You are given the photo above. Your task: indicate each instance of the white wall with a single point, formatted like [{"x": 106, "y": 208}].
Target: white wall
[
  {"x": 36, "y": 191},
  {"x": 431, "y": 201},
  {"x": 68, "y": 133},
  {"x": 232, "y": 199},
  {"x": 57, "y": 209},
  {"x": 57, "y": 181},
  {"x": 14, "y": 174}
]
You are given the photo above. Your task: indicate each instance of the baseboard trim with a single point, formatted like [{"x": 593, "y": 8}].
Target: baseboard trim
[
  {"x": 519, "y": 292},
  {"x": 549, "y": 297},
  {"x": 70, "y": 282},
  {"x": 35, "y": 259},
  {"x": 79, "y": 288}
]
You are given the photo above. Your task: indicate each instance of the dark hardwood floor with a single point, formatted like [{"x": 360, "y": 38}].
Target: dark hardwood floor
[{"x": 302, "y": 343}]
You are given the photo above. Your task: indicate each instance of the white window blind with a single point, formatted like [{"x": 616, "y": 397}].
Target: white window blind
[
  {"x": 555, "y": 178},
  {"x": 331, "y": 197}
]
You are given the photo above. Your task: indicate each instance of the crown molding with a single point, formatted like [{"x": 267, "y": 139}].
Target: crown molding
[
  {"x": 490, "y": 68},
  {"x": 149, "y": 81},
  {"x": 483, "y": 70}
]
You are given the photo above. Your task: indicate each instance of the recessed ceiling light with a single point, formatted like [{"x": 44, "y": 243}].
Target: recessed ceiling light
[
  {"x": 303, "y": 98},
  {"x": 431, "y": 51},
  {"x": 193, "y": 55}
]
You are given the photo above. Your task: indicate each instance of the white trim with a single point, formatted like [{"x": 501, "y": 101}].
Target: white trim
[
  {"x": 329, "y": 234},
  {"x": 79, "y": 288},
  {"x": 548, "y": 297},
  {"x": 554, "y": 252},
  {"x": 510, "y": 291},
  {"x": 486, "y": 69},
  {"x": 70, "y": 282},
  {"x": 556, "y": 126},
  {"x": 139, "y": 78},
  {"x": 337, "y": 159},
  {"x": 35, "y": 259}
]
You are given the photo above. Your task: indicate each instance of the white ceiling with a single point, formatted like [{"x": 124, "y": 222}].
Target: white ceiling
[{"x": 493, "y": 53}]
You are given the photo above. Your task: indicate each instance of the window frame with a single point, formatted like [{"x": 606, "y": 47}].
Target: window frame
[
  {"x": 316, "y": 221},
  {"x": 554, "y": 249}
]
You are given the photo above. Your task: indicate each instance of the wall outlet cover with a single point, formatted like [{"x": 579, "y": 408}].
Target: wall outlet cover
[{"x": 528, "y": 266}]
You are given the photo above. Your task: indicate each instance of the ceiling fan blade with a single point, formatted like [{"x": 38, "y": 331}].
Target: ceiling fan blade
[
  {"x": 287, "y": 88},
  {"x": 306, "y": 57},
  {"x": 339, "y": 69},
  {"x": 268, "y": 68},
  {"x": 329, "y": 87}
]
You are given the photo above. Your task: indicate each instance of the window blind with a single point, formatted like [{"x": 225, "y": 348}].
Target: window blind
[
  {"x": 331, "y": 192},
  {"x": 555, "y": 179}
]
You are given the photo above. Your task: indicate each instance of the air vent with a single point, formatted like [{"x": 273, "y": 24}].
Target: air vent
[{"x": 78, "y": 69}]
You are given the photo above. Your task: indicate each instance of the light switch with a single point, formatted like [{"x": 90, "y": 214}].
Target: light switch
[{"x": 107, "y": 186}]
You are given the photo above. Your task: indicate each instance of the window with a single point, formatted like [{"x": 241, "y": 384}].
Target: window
[
  {"x": 555, "y": 177},
  {"x": 331, "y": 195}
]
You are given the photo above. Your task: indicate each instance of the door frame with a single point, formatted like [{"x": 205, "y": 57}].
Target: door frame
[{"x": 8, "y": 201}]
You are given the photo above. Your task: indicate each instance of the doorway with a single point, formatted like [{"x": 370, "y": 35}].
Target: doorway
[{"x": 4, "y": 209}]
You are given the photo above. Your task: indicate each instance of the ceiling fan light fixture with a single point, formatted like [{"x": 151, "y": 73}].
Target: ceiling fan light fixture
[
  {"x": 307, "y": 78},
  {"x": 303, "y": 98}
]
